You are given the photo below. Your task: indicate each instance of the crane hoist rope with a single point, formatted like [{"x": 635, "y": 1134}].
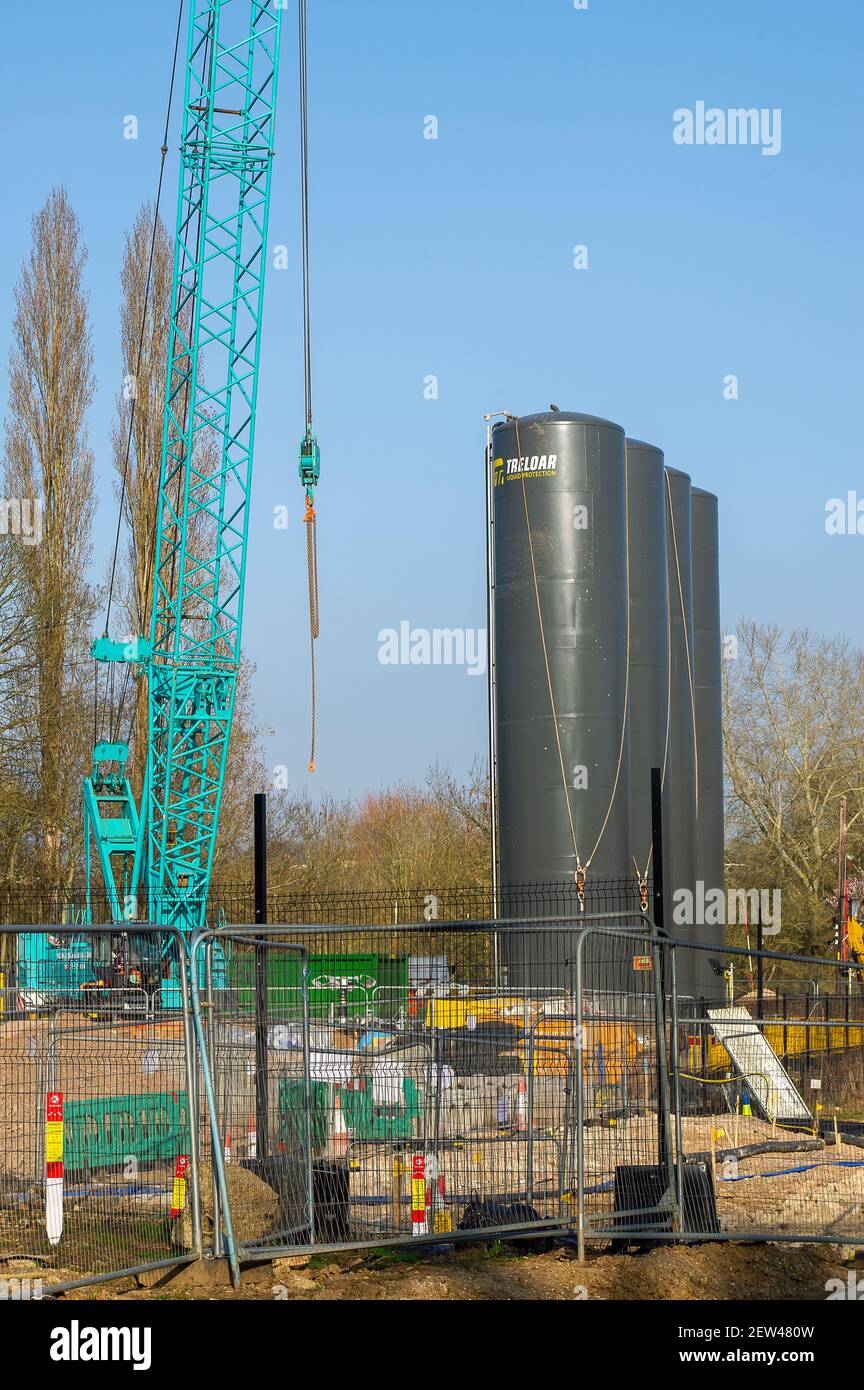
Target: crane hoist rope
[{"x": 310, "y": 454}]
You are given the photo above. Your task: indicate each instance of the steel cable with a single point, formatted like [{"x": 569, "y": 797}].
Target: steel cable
[
  {"x": 686, "y": 641},
  {"x": 310, "y": 517},
  {"x": 581, "y": 869}
]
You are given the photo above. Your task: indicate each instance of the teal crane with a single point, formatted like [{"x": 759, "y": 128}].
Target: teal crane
[{"x": 163, "y": 850}]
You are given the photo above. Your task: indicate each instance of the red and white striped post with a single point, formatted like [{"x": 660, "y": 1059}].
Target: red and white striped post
[
  {"x": 178, "y": 1194},
  {"x": 54, "y": 1166},
  {"x": 419, "y": 1198}
]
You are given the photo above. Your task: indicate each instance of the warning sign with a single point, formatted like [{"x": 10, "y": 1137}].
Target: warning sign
[
  {"x": 54, "y": 1131},
  {"x": 178, "y": 1193},
  {"x": 54, "y": 1166}
]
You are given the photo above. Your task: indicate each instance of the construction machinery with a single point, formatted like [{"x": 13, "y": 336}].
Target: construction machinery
[
  {"x": 112, "y": 974},
  {"x": 153, "y": 857},
  {"x": 855, "y": 939}
]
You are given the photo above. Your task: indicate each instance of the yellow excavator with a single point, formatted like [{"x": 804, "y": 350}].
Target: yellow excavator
[
  {"x": 855, "y": 936},
  {"x": 855, "y": 940}
]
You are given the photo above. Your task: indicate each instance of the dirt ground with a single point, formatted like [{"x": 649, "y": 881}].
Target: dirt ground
[{"x": 706, "y": 1273}]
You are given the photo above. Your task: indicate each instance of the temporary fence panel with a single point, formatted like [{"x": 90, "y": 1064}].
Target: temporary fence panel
[
  {"x": 94, "y": 1112},
  {"x": 335, "y": 1086},
  {"x": 626, "y": 1179},
  {"x": 770, "y": 1095},
  {"x": 363, "y": 1097}
]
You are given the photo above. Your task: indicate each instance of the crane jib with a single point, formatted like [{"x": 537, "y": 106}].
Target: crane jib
[{"x": 159, "y": 860}]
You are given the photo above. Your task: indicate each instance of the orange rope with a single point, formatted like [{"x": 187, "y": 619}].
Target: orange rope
[{"x": 310, "y": 521}]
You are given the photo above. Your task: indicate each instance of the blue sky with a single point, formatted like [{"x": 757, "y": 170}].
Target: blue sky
[{"x": 454, "y": 258}]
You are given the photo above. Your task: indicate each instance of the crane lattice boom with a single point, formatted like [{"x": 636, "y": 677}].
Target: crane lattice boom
[{"x": 192, "y": 656}]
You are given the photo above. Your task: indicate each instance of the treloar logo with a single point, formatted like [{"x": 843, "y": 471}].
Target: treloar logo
[
  {"x": 506, "y": 470},
  {"x": 77, "y": 1343}
]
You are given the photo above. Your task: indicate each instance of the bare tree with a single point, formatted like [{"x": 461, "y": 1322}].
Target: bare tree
[
  {"x": 48, "y": 468},
  {"x": 397, "y": 839},
  {"x": 19, "y": 800},
  {"x": 245, "y": 773},
  {"x": 467, "y": 804},
  {"x": 794, "y": 739},
  {"x": 145, "y": 317}
]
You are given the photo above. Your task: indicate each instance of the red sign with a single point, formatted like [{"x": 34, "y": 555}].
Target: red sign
[
  {"x": 54, "y": 1134},
  {"x": 178, "y": 1193}
]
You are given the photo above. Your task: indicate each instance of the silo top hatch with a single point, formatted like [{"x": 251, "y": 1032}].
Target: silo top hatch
[{"x": 560, "y": 417}]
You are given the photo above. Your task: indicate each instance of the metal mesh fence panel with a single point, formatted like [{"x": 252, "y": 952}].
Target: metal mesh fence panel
[
  {"x": 95, "y": 1111},
  {"x": 369, "y": 1083},
  {"x": 772, "y": 1100},
  {"x": 625, "y": 1142},
  {"x": 443, "y": 1081},
  {"x": 391, "y": 1084}
]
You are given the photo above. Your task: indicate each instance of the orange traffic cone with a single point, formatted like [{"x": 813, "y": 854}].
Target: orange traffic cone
[
  {"x": 522, "y": 1106},
  {"x": 339, "y": 1133}
]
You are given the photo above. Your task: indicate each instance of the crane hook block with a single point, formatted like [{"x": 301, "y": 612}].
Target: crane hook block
[{"x": 310, "y": 462}]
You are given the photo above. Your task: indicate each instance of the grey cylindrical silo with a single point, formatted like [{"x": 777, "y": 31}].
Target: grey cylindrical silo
[
  {"x": 707, "y": 665},
  {"x": 568, "y": 472},
  {"x": 649, "y": 635},
  {"x": 679, "y": 800}
]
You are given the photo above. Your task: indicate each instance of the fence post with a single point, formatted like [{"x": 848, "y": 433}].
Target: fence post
[
  {"x": 664, "y": 1150},
  {"x": 307, "y": 1086},
  {"x": 704, "y": 1033},
  {"x": 194, "y": 1115},
  {"x": 210, "y": 1102},
  {"x": 580, "y": 1103},
  {"x": 785, "y": 1025},
  {"x": 847, "y": 1014},
  {"x": 676, "y": 1087},
  {"x": 760, "y": 967},
  {"x": 213, "y": 1062},
  {"x": 262, "y": 1109}
]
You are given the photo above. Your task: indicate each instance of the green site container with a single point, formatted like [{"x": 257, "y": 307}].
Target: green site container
[
  {"x": 104, "y": 1133},
  {"x": 356, "y": 981}
]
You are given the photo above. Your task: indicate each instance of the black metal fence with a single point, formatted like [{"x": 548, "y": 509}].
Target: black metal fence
[{"x": 232, "y": 903}]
